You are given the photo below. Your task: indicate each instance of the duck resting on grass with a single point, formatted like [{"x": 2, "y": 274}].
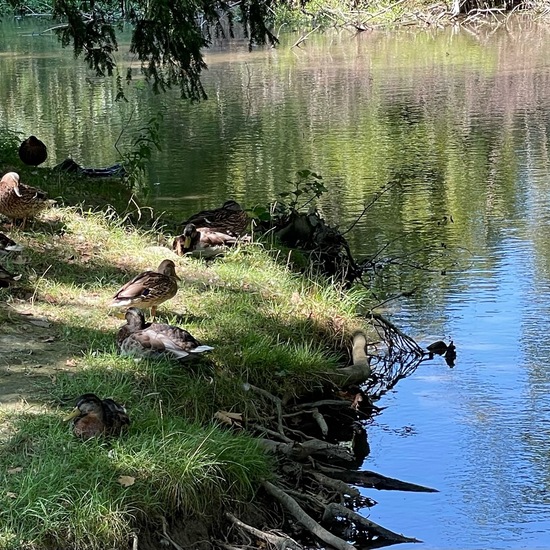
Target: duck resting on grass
[
  {"x": 93, "y": 417},
  {"x": 7, "y": 245},
  {"x": 19, "y": 201},
  {"x": 156, "y": 340},
  {"x": 6, "y": 278},
  {"x": 32, "y": 151},
  {"x": 149, "y": 289},
  {"x": 202, "y": 240},
  {"x": 230, "y": 219}
]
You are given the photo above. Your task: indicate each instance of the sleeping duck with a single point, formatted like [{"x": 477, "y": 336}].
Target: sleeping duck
[
  {"x": 140, "y": 339},
  {"x": 230, "y": 219},
  {"x": 149, "y": 289},
  {"x": 201, "y": 240},
  {"x": 19, "y": 201},
  {"x": 32, "y": 151},
  {"x": 93, "y": 417}
]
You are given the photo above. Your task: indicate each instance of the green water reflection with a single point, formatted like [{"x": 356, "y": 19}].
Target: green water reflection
[{"x": 458, "y": 122}]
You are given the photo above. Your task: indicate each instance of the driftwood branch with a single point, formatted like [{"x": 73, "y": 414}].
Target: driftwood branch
[{"x": 304, "y": 519}]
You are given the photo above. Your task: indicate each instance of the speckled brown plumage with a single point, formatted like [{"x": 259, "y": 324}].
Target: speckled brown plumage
[
  {"x": 19, "y": 201},
  {"x": 200, "y": 238},
  {"x": 230, "y": 219},
  {"x": 149, "y": 289},
  {"x": 93, "y": 417},
  {"x": 6, "y": 278},
  {"x": 32, "y": 151},
  {"x": 142, "y": 339}
]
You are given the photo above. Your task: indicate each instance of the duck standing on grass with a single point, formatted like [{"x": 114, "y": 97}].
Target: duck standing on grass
[
  {"x": 201, "y": 239},
  {"x": 32, "y": 151},
  {"x": 93, "y": 417},
  {"x": 142, "y": 339},
  {"x": 149, "y": 289},
  {"x": 20, "y": 201}
]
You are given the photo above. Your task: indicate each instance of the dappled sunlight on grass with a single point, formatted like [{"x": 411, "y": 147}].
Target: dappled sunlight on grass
[{"x": 269, "y": 327}]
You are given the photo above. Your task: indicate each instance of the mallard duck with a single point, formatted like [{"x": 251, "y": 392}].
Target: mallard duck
[
  {"x": 439, "y": 347},
  {"x": 142, "y": 339},
  {"x": 230, "y": 219},
  {"x": 200, "y": 239},
  {"x": 20, "y": 201},
  {"x": 32, "y": 151},
  {"x": 450, "y": 354},
  {"x": 93, "y": 417},
  {"x": 6, "y": 278},
  {"x": 150, "y": 288},
  {"x": 7, "y": 245}
]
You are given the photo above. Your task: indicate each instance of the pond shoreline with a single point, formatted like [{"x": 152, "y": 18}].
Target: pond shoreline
[{"x": 276, "y": 381}]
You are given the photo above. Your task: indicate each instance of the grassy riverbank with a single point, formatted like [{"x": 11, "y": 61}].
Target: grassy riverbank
[{"x": 270, "y": 328}]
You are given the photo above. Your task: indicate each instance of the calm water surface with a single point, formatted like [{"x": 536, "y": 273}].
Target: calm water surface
[{"x": 459, "y": 123}]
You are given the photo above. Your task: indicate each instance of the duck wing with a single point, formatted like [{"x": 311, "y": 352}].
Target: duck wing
[
  {"x": 161, "y": 339},
  {"x": 144, "y": 286}
]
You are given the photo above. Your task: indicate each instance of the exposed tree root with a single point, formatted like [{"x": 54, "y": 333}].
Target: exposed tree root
[
  {"x": 319, "y": 441},
  {"x": 278, "y": 541},
  {"x": 307, "y": 521},
  {"x": 374, "y": 480},
  {"x": 334, "y": 511}
]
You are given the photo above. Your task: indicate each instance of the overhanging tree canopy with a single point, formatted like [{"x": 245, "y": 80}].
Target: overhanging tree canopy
[{"x": 168, "y": 36}]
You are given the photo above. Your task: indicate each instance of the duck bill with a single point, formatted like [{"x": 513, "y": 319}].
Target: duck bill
[
  {"x": 73, "y": 414},
  {"x": 187, "y": 242}
]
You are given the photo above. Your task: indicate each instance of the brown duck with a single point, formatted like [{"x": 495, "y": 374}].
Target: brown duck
[
  {"x": 19, "y": 201},
  {"x": 155, "y": 340},
  {"x": 6, "y": 278},
  {"x": 230, "y": 219},
  {"x": 149, "y": 289},
  {"x": 32, "y": 151},
  {"x": 201, "y": 239},
  {"x": 93, "y": 417},
  {"x": 8, "y": 245}
]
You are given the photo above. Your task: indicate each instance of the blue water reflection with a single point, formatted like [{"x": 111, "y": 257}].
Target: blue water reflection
[{"x": 478, "y": 432}]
